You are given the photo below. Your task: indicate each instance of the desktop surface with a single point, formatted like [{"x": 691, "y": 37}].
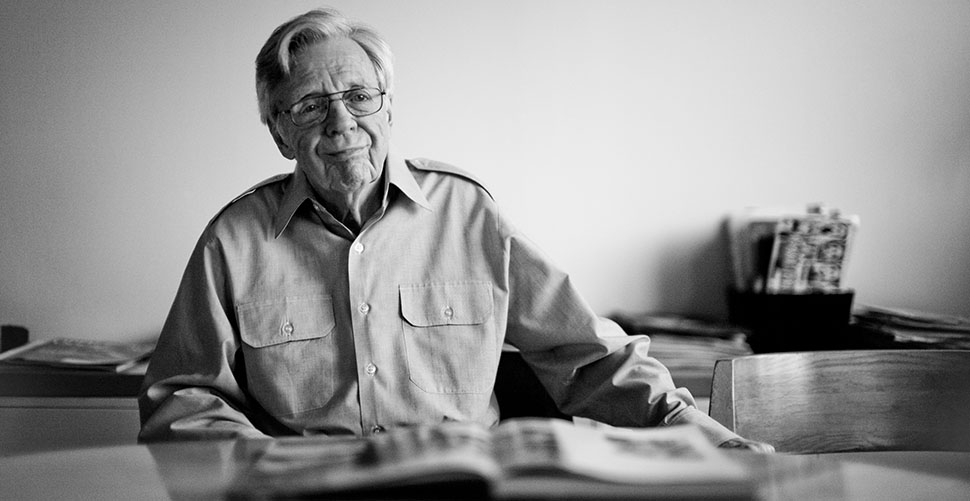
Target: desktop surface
[{"x": 206, "y": 470}]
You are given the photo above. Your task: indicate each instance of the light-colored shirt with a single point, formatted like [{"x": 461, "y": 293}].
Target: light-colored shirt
[{"x": 286, "y": 322}]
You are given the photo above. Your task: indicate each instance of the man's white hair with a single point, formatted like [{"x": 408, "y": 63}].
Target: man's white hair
[{"x": 274, "y": 60}]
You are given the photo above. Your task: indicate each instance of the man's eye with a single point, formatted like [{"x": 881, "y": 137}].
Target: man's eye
[
  {"x": 360, "y": 96},
  {"x": 308, "y": 108}
]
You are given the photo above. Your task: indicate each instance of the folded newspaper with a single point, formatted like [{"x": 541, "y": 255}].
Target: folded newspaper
[
  {"x": 520, "y": 458},
  {"x": 85, "y": 354}
]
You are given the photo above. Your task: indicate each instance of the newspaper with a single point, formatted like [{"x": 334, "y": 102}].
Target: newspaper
[
  {"x": 809, "y": 254},
  {"x": 779, "y": 251},
  {"x": 520, "y": 457}
]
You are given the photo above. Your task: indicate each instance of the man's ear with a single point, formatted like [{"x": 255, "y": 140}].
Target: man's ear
[{"x": 285, "y": 149}]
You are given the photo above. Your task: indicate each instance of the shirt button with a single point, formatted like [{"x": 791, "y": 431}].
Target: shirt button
[
  {"x": 448, "y": 312},
  {"x": 364, "y": 308},
  {"x": 371, "y": 369},
  {"x": 377, "y": 429},
  {"x": 358, "y": 247},
  {"x": 287, "y": 328}
]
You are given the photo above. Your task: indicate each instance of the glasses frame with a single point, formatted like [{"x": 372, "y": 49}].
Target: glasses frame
[{"x": 330, "y": 100}]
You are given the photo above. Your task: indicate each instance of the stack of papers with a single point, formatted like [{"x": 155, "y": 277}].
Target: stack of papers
[
  {"x": 695, "y": 356},
  {"x": 910, "y": 328},
  {"x": 85, "y": 354},
  {"x": 688, "y": 346}
]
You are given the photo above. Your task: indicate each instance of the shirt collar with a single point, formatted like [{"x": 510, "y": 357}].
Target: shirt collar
[
  {"x": 399, "y": 175},
  {"x": 298, "y": 191}
]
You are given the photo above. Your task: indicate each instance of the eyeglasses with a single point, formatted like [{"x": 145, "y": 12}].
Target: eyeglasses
[{"x": 314, "y": 109}]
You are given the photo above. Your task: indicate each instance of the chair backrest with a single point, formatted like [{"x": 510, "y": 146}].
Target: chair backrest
[{"x": 830, "y": 401}]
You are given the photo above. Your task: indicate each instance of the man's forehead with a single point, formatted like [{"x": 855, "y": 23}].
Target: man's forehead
[{"x": 337, "y": 60}]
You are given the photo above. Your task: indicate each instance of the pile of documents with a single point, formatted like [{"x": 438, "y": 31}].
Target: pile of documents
[
  {"x": 687, "y": 346},
  {"x": 906, "y": 328},
  {"x": 86, "y": 354}
]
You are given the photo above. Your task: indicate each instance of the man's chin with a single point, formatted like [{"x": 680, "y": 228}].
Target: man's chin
[
  {"x": 344, "y": 177},
  {"x": 353, "y": 176}
]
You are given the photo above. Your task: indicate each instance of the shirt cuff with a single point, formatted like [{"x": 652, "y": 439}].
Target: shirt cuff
[{"x": 714, "y": 431}]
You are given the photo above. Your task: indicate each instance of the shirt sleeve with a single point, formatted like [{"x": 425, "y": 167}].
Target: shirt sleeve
[
  {"x": 589, "y": 365},
  {"x": 190, "y": 389}
]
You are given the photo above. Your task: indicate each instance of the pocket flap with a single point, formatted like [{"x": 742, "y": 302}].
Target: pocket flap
[
  {"x": 295, "y": 318},
  {"x": 465, "y": 303}
]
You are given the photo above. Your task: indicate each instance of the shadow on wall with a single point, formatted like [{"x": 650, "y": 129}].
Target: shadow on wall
[{"x": 694, "y": 276}]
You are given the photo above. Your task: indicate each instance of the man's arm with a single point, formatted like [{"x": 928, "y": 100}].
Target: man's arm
[
  {"x": 590, "y": 366},
  {"x": 190, "y": 389}
]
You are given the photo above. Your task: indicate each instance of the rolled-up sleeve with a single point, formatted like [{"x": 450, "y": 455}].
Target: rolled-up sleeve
[
  {"x": 589, "y": 365},
  {"x": 190, "y": 389}
]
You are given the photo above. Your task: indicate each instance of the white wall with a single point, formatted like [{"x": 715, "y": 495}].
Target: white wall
[{"x": 125, "y": 125}]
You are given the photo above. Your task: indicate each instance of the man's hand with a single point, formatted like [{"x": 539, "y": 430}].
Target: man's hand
[{"x": 750, "y": 445}]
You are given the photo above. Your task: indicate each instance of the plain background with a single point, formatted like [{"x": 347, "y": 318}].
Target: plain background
[{"x": 617, "y": 134}]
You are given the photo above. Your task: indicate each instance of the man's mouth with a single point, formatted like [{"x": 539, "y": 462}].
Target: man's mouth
[{"x": 346, "y": 153}]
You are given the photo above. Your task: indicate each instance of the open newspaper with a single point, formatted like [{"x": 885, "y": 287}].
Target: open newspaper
[{"x": 521, "y": 458}]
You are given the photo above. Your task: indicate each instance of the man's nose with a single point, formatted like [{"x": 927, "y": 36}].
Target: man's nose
[{"x": 339, "y": 120}]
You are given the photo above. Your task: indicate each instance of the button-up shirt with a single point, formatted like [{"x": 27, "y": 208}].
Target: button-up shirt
[{"x": 287, "y": 322}]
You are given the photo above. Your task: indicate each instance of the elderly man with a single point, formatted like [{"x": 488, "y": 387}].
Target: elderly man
[{"x": 364, "y": 292}]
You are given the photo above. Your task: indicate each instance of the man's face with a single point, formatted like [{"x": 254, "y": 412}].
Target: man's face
[{"x": 343, "y": 154}]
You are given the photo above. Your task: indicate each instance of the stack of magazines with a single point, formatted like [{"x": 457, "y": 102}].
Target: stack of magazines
[
  {"x": 688, "y": 346},
  {"x": 906, "y": 328},
  {"x": 86, "y": 354}
]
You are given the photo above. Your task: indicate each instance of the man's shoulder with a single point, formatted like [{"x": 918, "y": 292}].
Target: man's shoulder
[
  {"x": 266, "y": 192},
  {"x": 435, "y": 166}
]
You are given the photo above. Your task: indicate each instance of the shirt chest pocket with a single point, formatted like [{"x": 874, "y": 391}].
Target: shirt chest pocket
[
  {"x": 288, "y": 351},
  {"x": 449, "y": 336}
]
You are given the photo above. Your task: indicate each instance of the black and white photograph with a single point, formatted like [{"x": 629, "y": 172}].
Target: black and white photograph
[{"x": 231, "y": 227}]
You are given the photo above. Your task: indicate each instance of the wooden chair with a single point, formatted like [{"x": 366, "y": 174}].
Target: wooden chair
[{"x": 831, "y": 401}]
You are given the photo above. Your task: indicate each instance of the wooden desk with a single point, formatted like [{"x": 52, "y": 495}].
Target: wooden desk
[{"x": 204, "y": 470}]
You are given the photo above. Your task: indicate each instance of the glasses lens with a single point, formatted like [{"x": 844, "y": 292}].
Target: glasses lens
[
  {"x": 362, "y": 102},
  {"x": 309, "y": 110}
]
